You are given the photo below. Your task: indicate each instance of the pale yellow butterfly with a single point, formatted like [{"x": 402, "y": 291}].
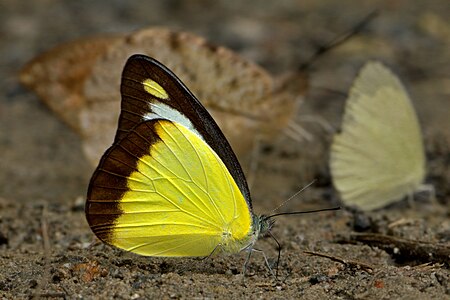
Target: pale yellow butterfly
[{"x": 378, "y": 157}]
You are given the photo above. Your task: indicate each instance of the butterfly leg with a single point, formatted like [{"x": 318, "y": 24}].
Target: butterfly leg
[
  {"x": 203, "y": 259},
  {"x": 266, "y": 260},
  {"x": 212, "y": 252},
  {"x": 244, "y": 268},
  {"x": 430, "y": 190}
]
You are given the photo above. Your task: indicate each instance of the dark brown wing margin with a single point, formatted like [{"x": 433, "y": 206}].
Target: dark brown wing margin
[{"x": 109, "y": 182}]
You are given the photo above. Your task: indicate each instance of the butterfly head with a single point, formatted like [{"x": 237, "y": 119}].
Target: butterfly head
[{"x": 262, "y": 225}]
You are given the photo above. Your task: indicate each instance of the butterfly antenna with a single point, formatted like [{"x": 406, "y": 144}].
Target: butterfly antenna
[
  {"x": 290, "y": 213},
  {"x": 293, "y": 196},
  {"x": 304, "y": 212},
  {"x": 279, "y": 252},
  {"x": 357, "y": 28}
]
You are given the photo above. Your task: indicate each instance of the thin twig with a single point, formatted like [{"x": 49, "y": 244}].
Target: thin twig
[
  {"x": 348, "y": 263},
  {"x": 404, "y": 248},
  {"x": 357, "y": 28}
]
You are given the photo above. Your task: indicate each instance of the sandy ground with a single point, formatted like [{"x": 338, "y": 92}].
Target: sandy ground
[{"x": 48, "y": 250}]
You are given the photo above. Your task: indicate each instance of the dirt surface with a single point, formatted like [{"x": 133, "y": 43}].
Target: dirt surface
[{"x": 47, "y": 249}]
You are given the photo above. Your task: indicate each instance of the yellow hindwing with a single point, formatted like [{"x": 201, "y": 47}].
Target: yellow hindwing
[{"x": 181, "y": 200}]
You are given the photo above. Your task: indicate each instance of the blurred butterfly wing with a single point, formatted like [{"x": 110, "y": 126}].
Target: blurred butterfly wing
[
  {"x": 378, "y": 157},
  {"x": 162, "y": 191},
  {"x": 58, "y": 76},
  {"x": 176, "y": 103}
]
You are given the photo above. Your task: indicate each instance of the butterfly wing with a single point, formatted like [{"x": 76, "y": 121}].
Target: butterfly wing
[
  {"x": 162, "y": 189},
  {"x": 378, "y": 157},
  {"x": 58, "y": 75},
  {"x": 142, "y": 102}
]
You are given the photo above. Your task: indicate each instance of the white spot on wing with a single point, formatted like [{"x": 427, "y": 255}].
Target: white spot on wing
[{"x": 163, "y": 111}]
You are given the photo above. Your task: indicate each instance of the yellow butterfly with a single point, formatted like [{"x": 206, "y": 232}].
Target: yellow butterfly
[
  {"x": 378, "y": 157},
  {"x": 170, "y": 185}
]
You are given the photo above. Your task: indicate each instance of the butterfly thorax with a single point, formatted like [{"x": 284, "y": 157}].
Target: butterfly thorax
[{"x": 261, "y": 225}]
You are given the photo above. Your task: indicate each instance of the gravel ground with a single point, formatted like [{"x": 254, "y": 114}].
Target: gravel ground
[{"x": 47, "y": 248}]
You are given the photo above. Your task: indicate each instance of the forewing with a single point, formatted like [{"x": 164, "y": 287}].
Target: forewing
[{"x": 151, "y": 91}]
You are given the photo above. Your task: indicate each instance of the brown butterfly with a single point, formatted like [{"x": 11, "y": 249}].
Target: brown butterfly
[{"x": 79, "y": 82}]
